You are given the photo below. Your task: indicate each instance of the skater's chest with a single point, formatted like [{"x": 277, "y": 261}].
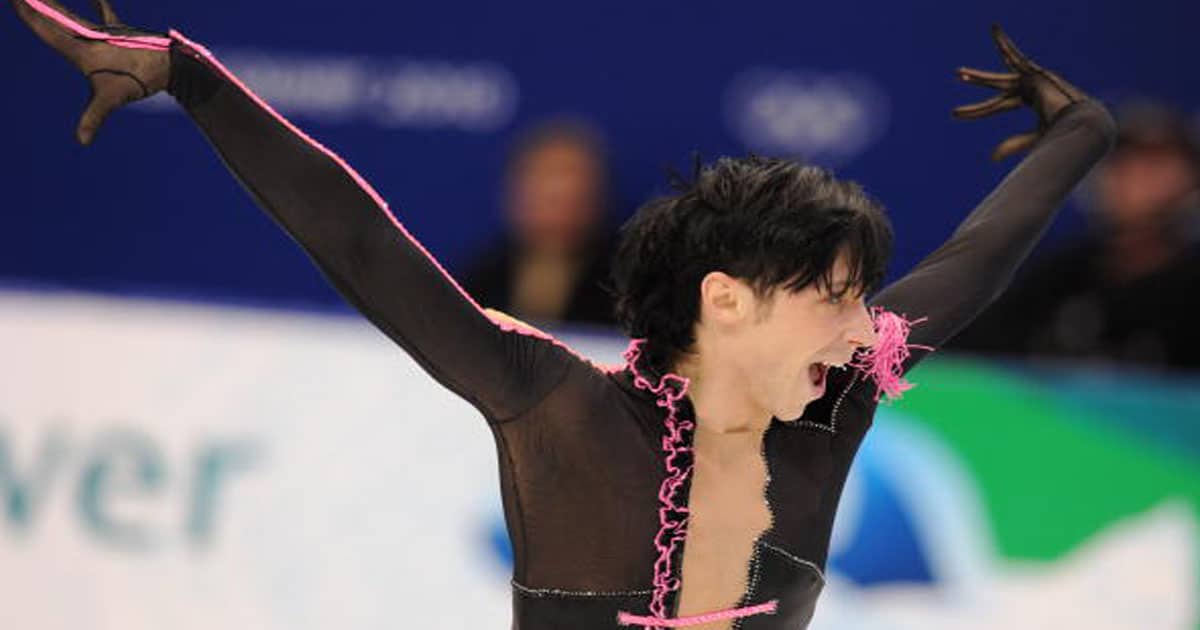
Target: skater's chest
[{"x": 727, "y": 513}]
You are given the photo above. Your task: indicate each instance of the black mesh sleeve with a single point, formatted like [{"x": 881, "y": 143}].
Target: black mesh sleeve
[
  {"x": 951, "y": 286},
  {"x": 351, "y": 235}
]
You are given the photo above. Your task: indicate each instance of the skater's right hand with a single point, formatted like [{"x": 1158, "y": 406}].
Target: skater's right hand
[{"x": 121, "y": 63}]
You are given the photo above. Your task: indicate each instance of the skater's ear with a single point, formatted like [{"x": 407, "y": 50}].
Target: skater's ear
[{"x": 724, "y": 299}]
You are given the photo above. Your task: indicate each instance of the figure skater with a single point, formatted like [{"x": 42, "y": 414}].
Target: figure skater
[{"x": 696, "y": 485}]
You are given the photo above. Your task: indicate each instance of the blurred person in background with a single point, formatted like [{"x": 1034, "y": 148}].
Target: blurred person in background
[
  {"x": 1126, "y": 291},
  {"x": 552, "y": 263}
]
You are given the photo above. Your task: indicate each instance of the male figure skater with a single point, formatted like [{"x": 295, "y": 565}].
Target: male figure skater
[{"x": 697, "y": 484}]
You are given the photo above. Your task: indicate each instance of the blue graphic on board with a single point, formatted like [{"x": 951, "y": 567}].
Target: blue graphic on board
[{"x": 889, "y": 549}]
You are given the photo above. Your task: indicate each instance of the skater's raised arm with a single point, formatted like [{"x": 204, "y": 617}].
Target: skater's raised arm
[
  {"x": 951, "y": 286},
  {"x": 500, "y": 366}
]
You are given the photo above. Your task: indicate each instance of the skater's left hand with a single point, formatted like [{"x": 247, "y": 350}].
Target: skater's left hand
[
  {"x": 122, "y": 64},
  {"x": 1028, "y": 84}
]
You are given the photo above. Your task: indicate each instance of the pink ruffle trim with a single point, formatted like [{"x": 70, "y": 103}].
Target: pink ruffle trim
[{"x": 671, "y": 531}]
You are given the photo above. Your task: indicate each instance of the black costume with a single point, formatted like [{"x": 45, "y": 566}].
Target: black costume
[{"x": 594, "y": 462}]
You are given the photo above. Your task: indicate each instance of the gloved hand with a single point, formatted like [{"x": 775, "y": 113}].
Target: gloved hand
[
  {"x": 1027, "y": 84},
  {"x": 122, "y": 64}
]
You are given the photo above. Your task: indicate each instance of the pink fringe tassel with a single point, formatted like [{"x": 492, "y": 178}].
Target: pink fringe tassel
[{"x": 884, "y": 362}]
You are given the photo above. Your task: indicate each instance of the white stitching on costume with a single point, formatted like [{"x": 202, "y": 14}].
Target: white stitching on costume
[
  {"x": 796, "y": 559},
  {"x": 757, "y": 564},
  {"x": 558, "y": 592},
  {"x": 837, "y": 406}
]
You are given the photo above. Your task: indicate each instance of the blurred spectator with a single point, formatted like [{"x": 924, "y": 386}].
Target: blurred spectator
[
  {"x": 552, "y": 264},
  {"x": 1128, "y": 290}
]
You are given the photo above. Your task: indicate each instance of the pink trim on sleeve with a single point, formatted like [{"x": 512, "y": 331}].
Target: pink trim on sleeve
[
  {"x": 358, "y": 179},
  {"x": 507, "y": 324},
  {"x": 164, "y": 43}
]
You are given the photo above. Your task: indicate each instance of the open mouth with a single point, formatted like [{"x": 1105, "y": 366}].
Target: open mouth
[{"x": 816, "y": 375}]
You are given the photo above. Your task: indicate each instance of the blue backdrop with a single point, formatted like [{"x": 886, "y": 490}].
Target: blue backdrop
[{"x": 149, "y": 208}]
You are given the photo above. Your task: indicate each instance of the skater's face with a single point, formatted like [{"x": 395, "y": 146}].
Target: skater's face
[{"x": 782, "y": 349}]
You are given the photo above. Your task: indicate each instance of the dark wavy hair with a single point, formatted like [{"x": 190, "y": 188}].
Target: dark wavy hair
[{"x": 773, "y": 223}]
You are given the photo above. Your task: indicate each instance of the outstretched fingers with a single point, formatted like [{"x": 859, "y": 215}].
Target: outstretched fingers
[
  {"x": 121, "y": 63},
  {"x": 1013, "y": 57},
  {"x": 1014, "y": 145},
  {"x": 1006, "y": 81},
  {"x": 107, "y": 14},
  {"x": 1024, "y": 85},
  {"x": 49, "y": 8},
  {"x": 46, "y": 19},
  {"x": 108, "y": 94},
  {"x": 994, "y": 105}
]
